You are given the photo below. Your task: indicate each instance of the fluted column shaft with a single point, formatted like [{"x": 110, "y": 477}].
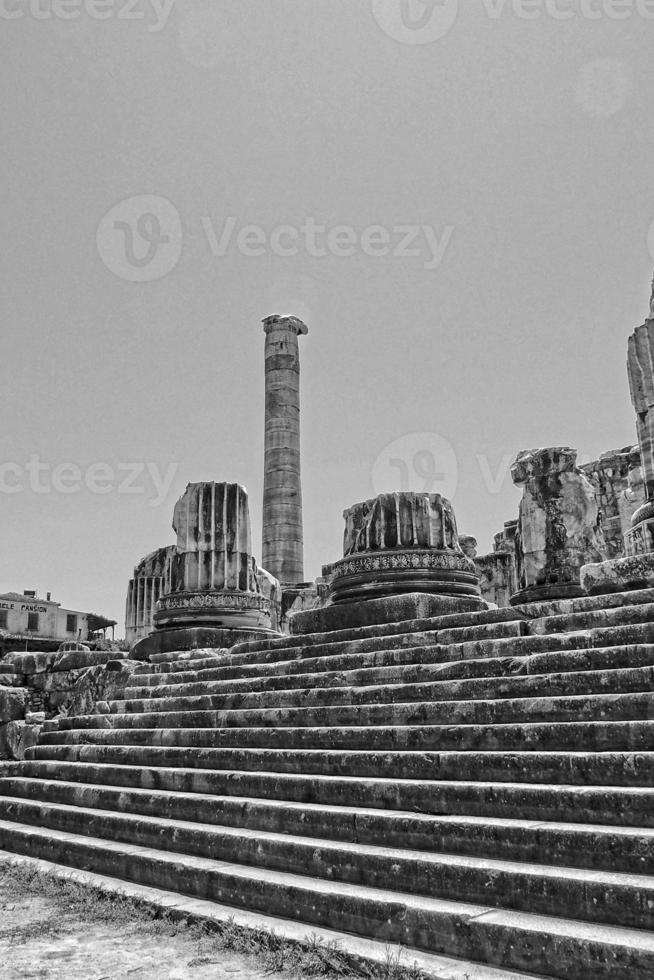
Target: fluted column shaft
[
  {"x": 214, "y": 543},
  {"x": 282, "y": 546}
]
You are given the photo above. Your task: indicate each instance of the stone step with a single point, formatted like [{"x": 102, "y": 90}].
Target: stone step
[
  {"x": 595, "y": 896},
  {"x": 597, "y": 707},
  {"x": 559, "y": 768},
  {"x": 616, "y": 805},
  {"x": 556, "y": 946},
  {"x": 617, "y": 626},
  {"x": 593, "y": 846},
  {"x": 395, "y": 657},
  {"x": 406, "y": 673},
  {"x": 617, "y": 736},
  {"x": 621, "y": 680},
  {"x": 359, "y": 950},
  {"x": 528, "y": 612},
  {"x": 329, "y": 648},
  {"x": 595, "y": 619},
  {"x": 635, "y": 635}
]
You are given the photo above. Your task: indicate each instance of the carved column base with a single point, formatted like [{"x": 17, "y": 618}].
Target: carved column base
[
  {"x": 375, "y": 574},
  {"x": 230, "y": 609}
]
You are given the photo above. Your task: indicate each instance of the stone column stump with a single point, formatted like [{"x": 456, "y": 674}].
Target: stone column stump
[{"x": 559, "y": 528}]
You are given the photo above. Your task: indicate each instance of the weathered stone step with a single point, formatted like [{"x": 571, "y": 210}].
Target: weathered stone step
[
  {"x": 556, "y": 946},
  {"x": 617, "y": 899},
  {"x": 528, "y": 613},
  {"x": 329, "y": 648},
  {"x": 360, "y": 949},
  {"x": 631, "y": 624},
  {"x": 621, "y": 637},
  {"x": 593, "y": 846},
  {"x": 585, "y": 682},
  {"x": 598, "y": 707},
  {"x": 605, "y": 658},
  {"x": 617, "y": 736},
  {"x": 397, "y": 656},
  {"x": 627, "y": 806},
  {"x": 594, "y": 620},
  {"x": 560, "y": 768}
]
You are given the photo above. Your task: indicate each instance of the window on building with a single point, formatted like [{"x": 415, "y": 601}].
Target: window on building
[
  {"x": 3, "y": 619},
  {"x": 71, "y": 624},
  {"x": 33, "y": 622}
]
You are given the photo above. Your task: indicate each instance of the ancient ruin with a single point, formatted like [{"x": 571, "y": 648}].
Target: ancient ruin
[
  {"x": 282, "y": 548},
  {"x": 559, "y": 527},
  {"x": 150, "y": 581},
  {"x": 401, "y": 560},
  {"x": 443, "y": 751},
  {"x": 636, "y": 569},
  {"x": 216, "y": 592}
]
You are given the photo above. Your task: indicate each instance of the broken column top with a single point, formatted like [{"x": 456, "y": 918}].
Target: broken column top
[
  {"x": 401, "y": 520},
  {"x": 533, "y": 464},
  {"x": 277, "y": 321}
]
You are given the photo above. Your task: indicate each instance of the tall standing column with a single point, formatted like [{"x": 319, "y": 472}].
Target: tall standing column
[
  {"x": 282, "y": 547},
  {"x": 640, "y": 368}
]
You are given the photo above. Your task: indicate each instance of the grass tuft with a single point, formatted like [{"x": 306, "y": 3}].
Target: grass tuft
[{"x": 275, "y": 954}]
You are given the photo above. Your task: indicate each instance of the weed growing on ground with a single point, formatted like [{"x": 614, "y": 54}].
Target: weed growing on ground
[{"x": 77, "y": 901}]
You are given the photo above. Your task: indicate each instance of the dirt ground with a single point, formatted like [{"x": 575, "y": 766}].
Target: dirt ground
[{"x": 42, "y": 939}]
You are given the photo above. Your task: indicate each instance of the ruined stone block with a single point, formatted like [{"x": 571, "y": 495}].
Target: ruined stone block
[{"x": 559, "y": 527}]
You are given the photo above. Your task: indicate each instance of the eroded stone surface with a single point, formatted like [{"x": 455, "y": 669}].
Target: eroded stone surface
[
  {"x": 102, "y": 683},
  {"x": 401, "y": 520},
  {"x": 640, "y": 358},
  {"x": 618, "y": 575},
  {"x": 282, "y": 544},
  {"x": 18, "y": 736},
  {"x": 401, "y": 543},
  {"x": 150, "y": 581},
  {"x": 214, "y": 577},
  {"x": 559, "y": 527},
  {"x": 614, "y": 479}
]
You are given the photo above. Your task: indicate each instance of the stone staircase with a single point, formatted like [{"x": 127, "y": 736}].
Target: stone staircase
[{"x": 477, "y": 785}]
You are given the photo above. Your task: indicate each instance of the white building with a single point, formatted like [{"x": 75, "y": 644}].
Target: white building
[{"x": 28, "y": 617}]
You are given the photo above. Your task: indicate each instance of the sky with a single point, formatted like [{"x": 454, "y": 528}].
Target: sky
[{"x": 455, "y": 197}]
